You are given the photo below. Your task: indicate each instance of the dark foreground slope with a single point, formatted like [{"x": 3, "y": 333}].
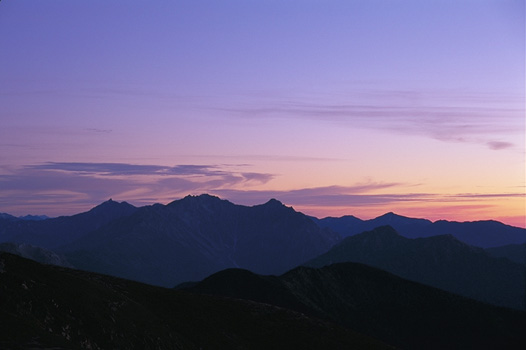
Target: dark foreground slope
[
  {"x": 44, "y": 306},
  {"x": 439, "y": 261},
  {"x": 399, "y": 312}
]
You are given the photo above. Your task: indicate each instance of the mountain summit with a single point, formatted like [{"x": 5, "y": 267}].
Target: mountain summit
[{"x": 190, "y": 238}]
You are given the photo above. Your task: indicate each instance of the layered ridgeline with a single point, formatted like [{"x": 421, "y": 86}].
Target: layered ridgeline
[
  {"x": 484, "y": 234},
  {"x": 185, "y": 240},
  {"x": 440, "y": 261},
  {"x": 402, "y": 313},
  {"x": 48, "y": 307}
]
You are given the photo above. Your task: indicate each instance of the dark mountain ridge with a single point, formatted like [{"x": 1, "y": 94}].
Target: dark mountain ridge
[
  {"x": 399, "y": 312},
  {"x": 439, "y": 261}
]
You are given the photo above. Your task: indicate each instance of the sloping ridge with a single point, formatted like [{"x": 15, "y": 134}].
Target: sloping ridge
[
  {"x": 402, "y": 313},
  {"x": 47, "y": 307},
  {"x": 439, "y": 261}
]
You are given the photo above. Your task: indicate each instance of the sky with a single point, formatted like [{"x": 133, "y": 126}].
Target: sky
[{"x": 356, "y": 107}]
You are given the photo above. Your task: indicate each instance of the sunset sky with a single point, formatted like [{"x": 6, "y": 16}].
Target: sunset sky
[{"x": 332, "y": 107}]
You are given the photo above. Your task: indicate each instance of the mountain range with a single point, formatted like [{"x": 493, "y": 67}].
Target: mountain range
[
  {"x": 267, "y": 267},
  {"x": 191, "y": 238},
  {"x": 194, "y": 237},
  {"x": 55, "y": 232},
  {"x": 484, "y": 234}
]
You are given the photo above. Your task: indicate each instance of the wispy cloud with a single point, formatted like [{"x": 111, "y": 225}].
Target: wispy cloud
[
  {"x": 451, "y": 117},
  {"x": 100, "y": 131},
  {"x": 74, "y": 183},
  {"x": 354, "y": 198},
  {"x": 124, "y": 169},
  {"x": 498, "y": 145},
  {"x": 66, "y": 188}
]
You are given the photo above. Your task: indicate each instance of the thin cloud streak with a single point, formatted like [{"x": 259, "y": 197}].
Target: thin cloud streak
[
  {"x": 338, "y": 196},
  {"x": 52, "y": 184},
  {"x": 124, "y": 169},
  {"x": 458, "y": 122},
  {"x": 50, "y": 187}
]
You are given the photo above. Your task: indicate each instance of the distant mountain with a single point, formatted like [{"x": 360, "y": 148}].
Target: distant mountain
[
  {"x": 513, "y": 252},
  {"x": 439, "y": 261},
  {"x": 399, "y": 312},
  {"x": 196, "y": 236},
  {"x": 55, "y": 232},
  {"x": 482, "y": 234},
  {"x": 41, "y": 255},
  {"x": 4, "y": 217},
  {"x": 34, "y": 217},
  {"x": 47, "y": 307}
]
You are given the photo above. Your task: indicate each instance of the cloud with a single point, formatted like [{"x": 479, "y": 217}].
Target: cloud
[
  {"x": 445, "y": 116},
  {"x": 334, "y": 196},
  {"x": 49, "y": 186},
  {"x": 124, "y": 169},
  {"x": 68, "y": 188},
  {"x": 366, "y": 196},
  {"x": 96, "y": 130},
  {"x": 498, "y": 145}
]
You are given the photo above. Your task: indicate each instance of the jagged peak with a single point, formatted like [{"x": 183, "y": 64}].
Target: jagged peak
[
  {"x": 199, "y": 197},
  {"x": 274, "y": 202},
  {"x": 200, "y": 200},
  {"x": 110, "y": 203},
  {"x": 390, "y": 215}
]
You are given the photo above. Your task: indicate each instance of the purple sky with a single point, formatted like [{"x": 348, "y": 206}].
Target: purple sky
[{"x": 333, "y": 107}]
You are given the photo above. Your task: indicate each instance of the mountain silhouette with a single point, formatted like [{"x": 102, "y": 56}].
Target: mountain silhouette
[
  {"x": 196, "y": 236},
  {"x": 55, "y": 232},
  {"x": 439, "y": 261},
  {"x": 405, "y": 314},
  {"x": 484, "y": 234},
  {"x": 48, "y": 307}
]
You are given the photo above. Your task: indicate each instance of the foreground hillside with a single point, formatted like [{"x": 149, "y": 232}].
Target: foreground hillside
[
  {"x": 399, "y": 312},
  {"x": 48, "y": 307}
]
